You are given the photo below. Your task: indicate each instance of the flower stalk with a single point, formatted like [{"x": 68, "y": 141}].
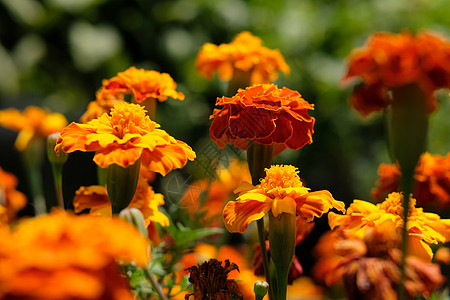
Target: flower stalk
[
  {"x": 259, "y": 157},
  {"x": 282, "y": 235},
  {"x": 408, "y": 134},
  {"x": 57, "y": 162},
  {"x": 32, "y": 157}
]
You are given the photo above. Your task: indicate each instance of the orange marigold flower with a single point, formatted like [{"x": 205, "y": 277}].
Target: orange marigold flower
[
  {"x": 11, "y": 200},
  {"x": 217, "y": 192},
  {"x": 423, "y": 228},
  {"x": 63, "y": 256},
  {"x": 391, "y": 60},
  {"x": 281, "y": 191},
  {"x": 33, "y": 122},
  {"x": 95, "y": 198},
  {"x": 245, "y": 53},
  {"x": 264, "y": 114},
  {"x": 124, "y": 136},
  {"x": 431, "y": 180},
  {"x": 142, "y": 84}
]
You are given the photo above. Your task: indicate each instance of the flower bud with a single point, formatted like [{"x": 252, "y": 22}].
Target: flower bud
[
  {"x": 260, "y": 289},
  {"x": 51, "y": 154},
  {"x": 135, "y": 217}
]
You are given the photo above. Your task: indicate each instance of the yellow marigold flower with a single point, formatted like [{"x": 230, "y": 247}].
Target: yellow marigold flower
[
  {"x": 11, "y": 200},
  {"x": 96, "y": 199},
  {"x": 33, "y": 122},
  {"x": 245, "y": 54},
  {"x": 281, "y": 191},
  {"x": 423, "y": 228},
  {"x": 124, "y": 136},
  {"x": 63, "y": 256},
  {"x": 142, "y": 84}
]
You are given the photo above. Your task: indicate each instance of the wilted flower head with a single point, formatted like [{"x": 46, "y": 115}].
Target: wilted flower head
[
  {"x": 281, "y": 191},
  {"x": 63, "y": 256},
  {"x": 431, "y": 181},
  {"x": 32, "y": 122},
  {"x": 244, "y": 54},
  {"x": 210, "y": 281},
  {"x": 124, "y": 136},
  {"x": 423, "y": 228},
  {"x": 264, "y": 114},
  {"x": 392, "y": 60}
]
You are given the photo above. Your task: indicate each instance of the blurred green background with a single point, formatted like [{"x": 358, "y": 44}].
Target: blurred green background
[{"x": 55, "y": 53}]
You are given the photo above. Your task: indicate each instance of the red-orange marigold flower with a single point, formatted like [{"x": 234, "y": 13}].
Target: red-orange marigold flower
[
  {"x": 124, "y": 136},
  {"x": 66, "y": 257},
  {"x": 265, "y": 114},
  {"x": 391, "y": 60},
  {"x": 142, "y": 84},
  {"x": 32, "y": 122},
  {"x": 431, "y": 181},
  {"x": 245, "y": 53}
]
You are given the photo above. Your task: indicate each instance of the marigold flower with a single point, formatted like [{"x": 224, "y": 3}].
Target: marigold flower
[
  {"x": 33, "y": 122},
  {"x": 63, "y": 256},
  {"x": 264, "y": 114},
  {"x": 423, "y": 228},
  {"x": 11, "y": 200},
  {"x": 245, "y": 53},
  {"x": 370, "y": 265},
  {"x": 431, "y": 180},
  {"x": 124, "y": 136},
  {"x": 391, "y": 60},
  {"x": 142, "y": 84},
  {"x": 281, "y": 191},
  {"x": 217, "y": 192},
  {"x": 95, "y": 198}
]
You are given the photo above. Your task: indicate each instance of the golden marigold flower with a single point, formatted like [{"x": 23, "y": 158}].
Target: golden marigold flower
[
  {"x": 63, "y": 256},
  {"x": 264, "y": 114},
  {"x": 431, "y": 180},
  {"x": 11, "y": 200},
  {"x": 33, "y": 122},
  {"x": 124, "y": 136},
  {"x": 245, "y": 53},
  {"x": 217, "y": 192},
  {"x": 95, "y": 198},
  {"x": 423, "y": 228},
  {"x": 281, "y": 191},
  {"x": 142, "y": 84},
  {"x": 392, "y": 60}
]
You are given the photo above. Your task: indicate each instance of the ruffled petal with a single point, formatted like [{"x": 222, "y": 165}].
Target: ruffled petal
[{"x": 237, "y": 215}]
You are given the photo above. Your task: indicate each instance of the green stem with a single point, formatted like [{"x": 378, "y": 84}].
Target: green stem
[
  {"x": 282, "y": 279},
  {"x": 240, "y": 80},
  {"x": 262, "y": 246},
  {"x": 57, "y": 178},
  {"x": 155, "y": 284},
  {"x": 407, "y": 188}
]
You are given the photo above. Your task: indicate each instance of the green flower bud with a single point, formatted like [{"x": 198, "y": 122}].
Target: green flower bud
[
  {"x": 260, "y": 289},
  {"x": 135, "y": 217}
]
